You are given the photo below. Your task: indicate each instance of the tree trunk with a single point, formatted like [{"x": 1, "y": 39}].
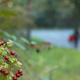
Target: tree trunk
[{"x": 28, "y": 17}]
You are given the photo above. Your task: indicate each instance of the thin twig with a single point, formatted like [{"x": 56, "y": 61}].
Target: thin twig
[{"x": 4, "y": 1}]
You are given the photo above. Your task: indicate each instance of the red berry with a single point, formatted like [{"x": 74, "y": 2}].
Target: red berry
[
  {"x": 2, "y": 71},
  {"x": 14, "y": 78},
  {"x": 21, "y": 74},
  {"x": 6, "y": 57},
  {"x": 17, "y": 75},
  {"x": 19, "y": 71},
  {"x": 6, "y": 72},
  {"x": 12, "y": 52},
  {"x": 2, "y": 42}
]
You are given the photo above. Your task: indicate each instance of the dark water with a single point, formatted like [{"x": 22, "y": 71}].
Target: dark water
[{"x": 56, "y": 37}]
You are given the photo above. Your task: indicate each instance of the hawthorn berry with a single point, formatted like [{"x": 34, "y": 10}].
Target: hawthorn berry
[
  {"x": 19, "y": 71},
  {"x": 12, "y": 52},
  {"x": 2, "y": 71},
  {"x": 2, "y": 42},
  {"x": 6, "y": 57},
  {"x": 17, "y": 75},
  {"x": 6, "y": 72},
  {"x": 14, "y": 78}
]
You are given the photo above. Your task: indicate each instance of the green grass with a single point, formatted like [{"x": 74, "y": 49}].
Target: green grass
[
  {"x": 66, "y": 60},
  {"x": 37, "y": 40}
]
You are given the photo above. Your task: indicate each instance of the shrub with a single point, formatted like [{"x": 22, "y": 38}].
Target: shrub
[{"x": 9, "y": 65}]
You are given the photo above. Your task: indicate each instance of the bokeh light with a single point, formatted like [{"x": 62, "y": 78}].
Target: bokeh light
[{"x": 10, "y": 4}]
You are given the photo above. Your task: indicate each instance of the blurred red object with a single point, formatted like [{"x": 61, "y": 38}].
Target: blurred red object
[
  {"x": 48, "y": 43},
  {"x": 45, "y": 42},
  {"x": 71, "y": 38}
]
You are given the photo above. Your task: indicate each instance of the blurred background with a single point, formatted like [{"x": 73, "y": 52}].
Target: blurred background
[{"x": 45, "y": 34}]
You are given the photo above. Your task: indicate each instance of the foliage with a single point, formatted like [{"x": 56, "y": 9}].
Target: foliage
[
  {"x": 57, "y": 13},
  {"x": 44, "y": 13},
  {"x": 7, "y": 13}
]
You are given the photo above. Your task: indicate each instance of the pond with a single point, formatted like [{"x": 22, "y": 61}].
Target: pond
[{"x": 56, "y": 37}]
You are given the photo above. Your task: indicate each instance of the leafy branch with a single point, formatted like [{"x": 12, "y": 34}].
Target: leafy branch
[{"x": 4, "y": 1}]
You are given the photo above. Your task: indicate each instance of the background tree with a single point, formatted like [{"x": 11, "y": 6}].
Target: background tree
[{"x": 76, "y": 13}]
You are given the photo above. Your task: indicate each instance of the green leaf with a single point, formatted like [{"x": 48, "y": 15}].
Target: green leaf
[
  {"x": 7, "y": 13},
  {"x": 12, "y": 59},
  {"x": 25, "y": 40},
  {"x": 9, "y": 44},
  {"x": 8, "y": 24},
  {"x": 19, "y": 45}
]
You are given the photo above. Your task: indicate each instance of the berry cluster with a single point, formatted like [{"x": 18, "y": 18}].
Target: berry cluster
[
  {"x": 4, "y": 72},
  {"x": 12, "y": 53},
  {"x": 9, "y": 60},
  {"x": 20, "y": 73}
]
